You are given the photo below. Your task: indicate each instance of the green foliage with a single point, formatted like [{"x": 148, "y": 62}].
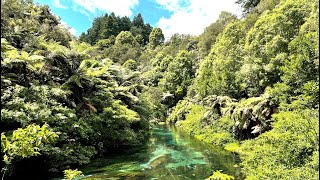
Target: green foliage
[
  {"x": 80, "y": 103},
  {"x": 217, "y": 175},
  {"x": 22, "y": 20},
  {"x": 92, "y": 103},
  {"x": 34, "y": 62},
  {"x": 139, "y": 39},
  {"x": 203, "y": 120},
  {"x": 216, "y": 72},
  {"x": 286, "y": 150},
  {"x": 164, "y": 63},
  {"x": 110, "y": 25},
  {"x": 268, "y": 44},
  {"x": 152, "y": 77},
  {"x": 210, "y": 34},
  {"x": 120, "y": 53},
  {"x": 193, "y": 118},
  {"x": 72, "y": 154},
  {"x": 264, "y": 57},
  {"x": 178, "y": 113},
  {"x": 302, "y": 64},
  {"x": 59, "y": 34},
  {"x": 156, "y": 37},
  {"x": 139, "y": 27},
  {"x": 179, "y": 42},
  {"x": 125, "y": 37},
  {"x": 179, "y": 75},
  {"x": 159, "y": 64},
  {"x": 155, "y": 61},
  {"x": 26, "y": 142},
  {"x": 131, "y": 64},
  {"x": 152, "y": 100},
  {"x": 218, "y": 133},
  {"x": 248, "y": 5},
  {"x": 99, "y": 93},
  {"x": 70, "y": 174},
  {"x": 105, "y": 43}
]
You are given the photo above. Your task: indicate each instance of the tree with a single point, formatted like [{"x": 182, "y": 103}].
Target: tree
[
  {"x": 131, "y": 64},
  {"x": 125, "y": 37},
  {"x": 138, "y": 27},
  {"x": 217, "y": 71},
  {"x": 59, "y": 34},
  {"x": 25, "y": 142},
  {"x": 125, "y": 23},
  {"x": 139, "y": 39},
  {"x": 138, "y": 21},
  {"x": 93, "y": 32},
  {"x": 93, "y": 104},
  {"x": 179, "y": 75},
  {"x": 82, "y": 37},
  {"x": 156, "y": 37},
  {"x": 109, "y": 26},
  {"x": 267, "y": 46},
  {"x": 146, "y": 32},
  {"x": 210, "y": 34},
  {"x": 247, "y": 5}
]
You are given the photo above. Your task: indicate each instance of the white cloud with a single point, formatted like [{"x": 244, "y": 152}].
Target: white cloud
[
  {"x": 119, "y": 7},
  {"x": 58, "y": 4},
  {"x": 171, "y": 5},
  {"x": 82, "y": 11},
  {"x": 69, "y": 28},
  {"x": 192, "y": 16},
  {"x": 73, "y": 31}
]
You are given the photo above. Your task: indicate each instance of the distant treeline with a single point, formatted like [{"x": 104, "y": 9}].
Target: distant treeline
[{"x": 109, "y": 26}]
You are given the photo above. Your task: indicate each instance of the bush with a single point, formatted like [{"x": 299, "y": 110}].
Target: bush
[
  {"x": 70, "y": 174},
  {"x": 288, "y": 150}
]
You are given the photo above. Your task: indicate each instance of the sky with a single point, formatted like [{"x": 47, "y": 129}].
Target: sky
[{"x": 172, "y": 16}]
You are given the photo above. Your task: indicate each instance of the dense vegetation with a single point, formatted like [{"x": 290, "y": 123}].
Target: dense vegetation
[
  {"x": 250, "y": 85},
  {"x": 86, "y": 105},
  {"x": 107, "y": 27}
]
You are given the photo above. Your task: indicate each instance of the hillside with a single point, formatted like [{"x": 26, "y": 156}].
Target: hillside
[{"x": 249, "y": 85}]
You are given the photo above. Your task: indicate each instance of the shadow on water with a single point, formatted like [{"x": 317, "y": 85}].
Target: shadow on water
[{"x": 169, "y": 154}]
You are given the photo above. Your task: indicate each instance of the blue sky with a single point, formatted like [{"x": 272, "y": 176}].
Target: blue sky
[{"x": 172, "y": 16}]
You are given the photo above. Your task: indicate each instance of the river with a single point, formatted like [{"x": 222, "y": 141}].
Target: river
[{"x": 169, "y": 154}]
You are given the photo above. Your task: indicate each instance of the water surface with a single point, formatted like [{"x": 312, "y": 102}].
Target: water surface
[{"x": 169, "y": 154}]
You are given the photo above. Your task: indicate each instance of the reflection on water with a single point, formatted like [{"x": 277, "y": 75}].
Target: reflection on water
[{"x": 169, "y": 154}]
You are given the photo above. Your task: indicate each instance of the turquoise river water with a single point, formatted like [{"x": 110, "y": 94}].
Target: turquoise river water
[{"x": 169, "y": 154}]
